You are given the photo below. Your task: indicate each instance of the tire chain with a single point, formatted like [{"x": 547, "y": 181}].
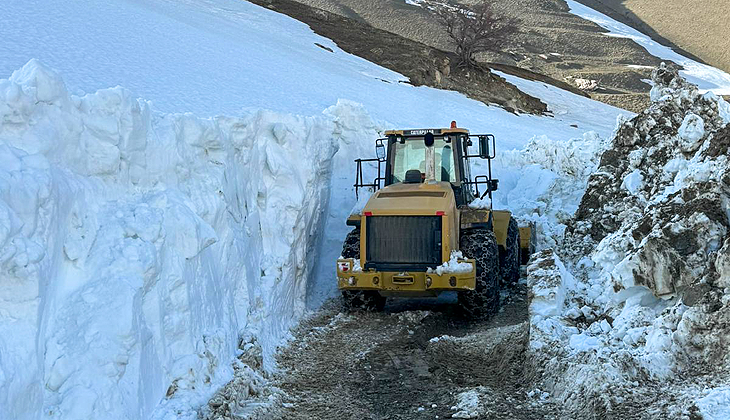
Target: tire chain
[
  {"x": 481, "y": 245},
  {"x": 509, "y": 262}
]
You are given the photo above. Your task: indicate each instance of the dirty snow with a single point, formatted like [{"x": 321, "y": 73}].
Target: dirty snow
[
  {"x": 468, "y": 405},
  {"x": 634, "y": 299}
]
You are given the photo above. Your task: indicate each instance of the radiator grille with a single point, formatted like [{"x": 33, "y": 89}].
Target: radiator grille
[{"x": 403, "y": 240}]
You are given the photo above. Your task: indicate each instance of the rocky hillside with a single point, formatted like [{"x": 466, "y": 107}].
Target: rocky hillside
[
  {"x": 553, "y": 42},
  {"x": 666, "y": 21},
  {"x": 424, "y": 65}
]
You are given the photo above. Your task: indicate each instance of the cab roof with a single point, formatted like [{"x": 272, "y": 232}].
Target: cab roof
[{"x": 422, "y": 131}]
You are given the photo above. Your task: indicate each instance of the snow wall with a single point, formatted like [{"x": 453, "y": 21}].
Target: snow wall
[{"x": 137, "y": 247}]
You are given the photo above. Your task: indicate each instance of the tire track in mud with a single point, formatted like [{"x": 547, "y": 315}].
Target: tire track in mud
[{"x": 410, "y": 361}]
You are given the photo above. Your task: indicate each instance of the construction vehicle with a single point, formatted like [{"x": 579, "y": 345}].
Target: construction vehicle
[{"x": 421, "y": 233}]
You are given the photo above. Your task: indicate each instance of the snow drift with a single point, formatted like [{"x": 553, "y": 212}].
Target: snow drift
[
  {"x": 137, "y": 247},
  {"x": 642, "y": 308}
]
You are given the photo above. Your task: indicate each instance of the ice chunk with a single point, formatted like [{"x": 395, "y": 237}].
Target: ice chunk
[
  {"x": 633, "y": 182},
  {"x": 691, "y": 132},
  {"x": 716, "y": 404},
  {"x": 40, "y": 81},
  {"x": 547, "y": 281}
]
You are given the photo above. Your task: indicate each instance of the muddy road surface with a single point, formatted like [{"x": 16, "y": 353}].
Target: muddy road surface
[{"x": 415, "y": 360}]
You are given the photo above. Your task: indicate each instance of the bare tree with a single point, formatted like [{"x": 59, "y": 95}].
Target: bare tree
[{"x": 475, "y": 29}]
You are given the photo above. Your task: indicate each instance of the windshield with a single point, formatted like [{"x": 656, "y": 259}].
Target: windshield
[{"x": 412, "y": 155}]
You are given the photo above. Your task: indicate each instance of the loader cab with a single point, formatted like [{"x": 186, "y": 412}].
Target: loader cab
[{"x": 403, "y": 152}]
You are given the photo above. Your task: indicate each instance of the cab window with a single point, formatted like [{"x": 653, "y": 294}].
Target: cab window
[{"x": 412, "y": 155}]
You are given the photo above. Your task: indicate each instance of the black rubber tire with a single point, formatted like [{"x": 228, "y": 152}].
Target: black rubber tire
[
  {"x": 509, "y": 260},
  {"x": 481, "y": 245},
  {"x": 359, "y": 299}
]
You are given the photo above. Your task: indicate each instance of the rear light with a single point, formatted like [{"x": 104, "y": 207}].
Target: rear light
[
  {"x": 368, "y": 213},
  {"x": 440, "y": 213}
]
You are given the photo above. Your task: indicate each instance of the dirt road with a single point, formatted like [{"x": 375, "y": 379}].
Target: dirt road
[{"x": 414, "y": 360}]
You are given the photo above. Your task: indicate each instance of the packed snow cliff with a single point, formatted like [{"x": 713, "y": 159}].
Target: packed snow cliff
[
  {"x": 136, "y": 247},
  {"x": 631, "y": 311}
]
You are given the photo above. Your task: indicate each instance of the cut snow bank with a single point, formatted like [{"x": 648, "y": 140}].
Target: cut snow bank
[
  {"x": 634, "y": 303},
  {"x": 137, "y": 247},
  {"x": 544, "y": 181}
]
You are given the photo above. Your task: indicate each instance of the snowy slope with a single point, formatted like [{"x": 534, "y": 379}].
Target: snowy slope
[
  {"x": 225, "y": 56},
  {"x": 707, "y": 78},
  {"x": 137, "y": 245}
]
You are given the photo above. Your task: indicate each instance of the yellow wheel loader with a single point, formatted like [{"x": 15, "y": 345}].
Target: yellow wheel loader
[{"x": 420, "y": 233}]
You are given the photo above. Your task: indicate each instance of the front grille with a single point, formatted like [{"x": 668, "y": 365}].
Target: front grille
[{"x": 403, "y": 240}]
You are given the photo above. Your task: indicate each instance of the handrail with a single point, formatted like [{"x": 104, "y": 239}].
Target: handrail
[
  {"x": 360, "y": 183},
  {"x": 491, "y": 154}
]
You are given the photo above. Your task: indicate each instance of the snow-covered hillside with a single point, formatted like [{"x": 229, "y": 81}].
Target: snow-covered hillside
[
  {"x": 138, "y": 245},
  {"x": 214, "y": 57}
]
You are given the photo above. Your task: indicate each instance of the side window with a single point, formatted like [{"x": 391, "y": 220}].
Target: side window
[
  {"x": 466, "y": 175},
  {"x": 445, "y": 159}
]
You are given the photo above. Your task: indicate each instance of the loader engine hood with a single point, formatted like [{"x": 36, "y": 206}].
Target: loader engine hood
[{"x": 423, "y": 199}]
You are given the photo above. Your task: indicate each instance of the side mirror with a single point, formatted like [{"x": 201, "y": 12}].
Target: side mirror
[
  {"x": 484, "y": 147},
  {"x": 380, "y": 151},
  {"x": 428, "y": 139}
]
